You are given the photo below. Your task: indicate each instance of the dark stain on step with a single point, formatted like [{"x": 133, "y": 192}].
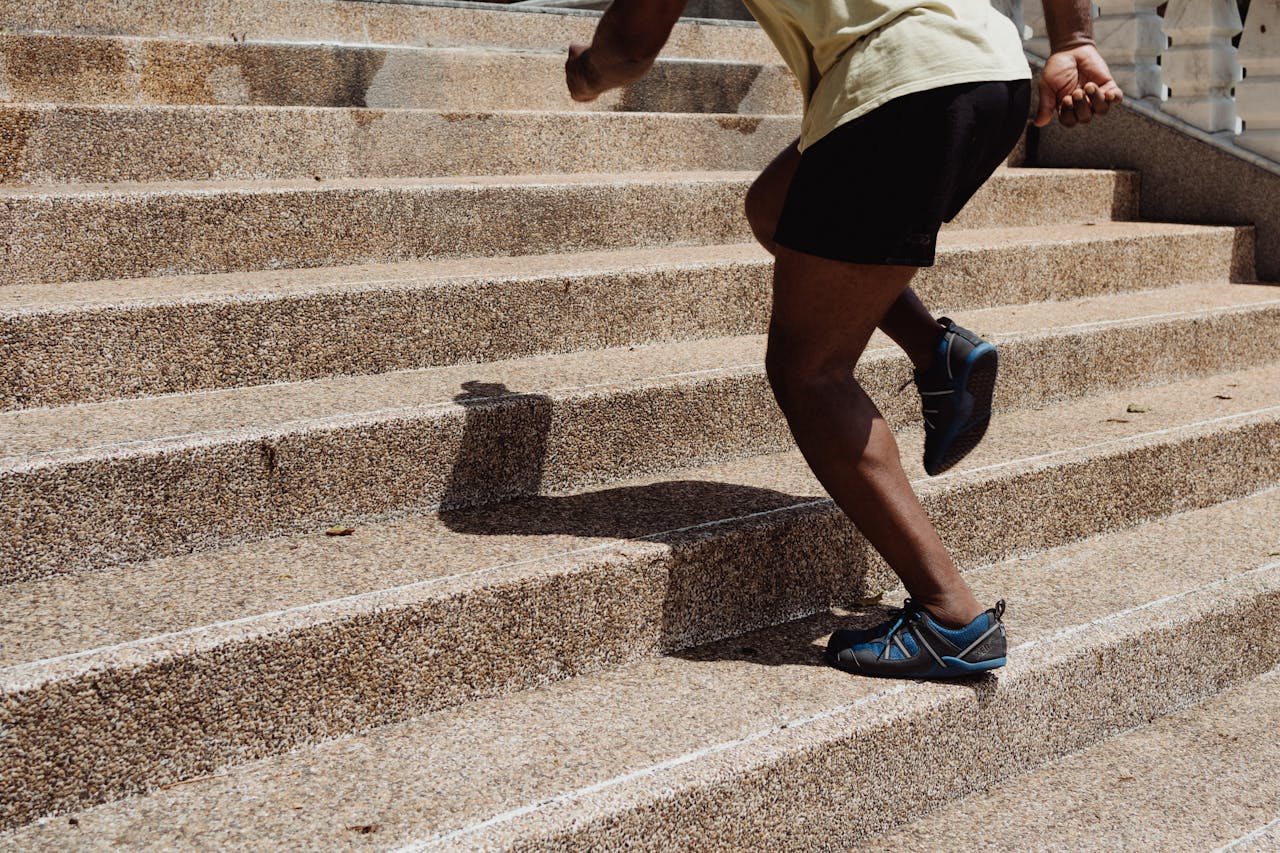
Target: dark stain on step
[
  {"x": 684, "y": 87},
  {"x": 746, "y": 125},
  {"x": 313, "y": 77}
]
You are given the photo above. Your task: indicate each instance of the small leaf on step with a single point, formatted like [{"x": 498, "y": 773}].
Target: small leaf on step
[
  {"x": 1222, "y": 396},
  {"x": 870, "y": 600},
  {"x": 1119, "y": 421},
  {"x": 339, "y": 531},
  {"x": 1136, "y": 409},
  {"x": 364, "y": 828}
]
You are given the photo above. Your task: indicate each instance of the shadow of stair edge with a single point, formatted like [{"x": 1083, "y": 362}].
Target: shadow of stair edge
[{"x": 199, "y": 706}]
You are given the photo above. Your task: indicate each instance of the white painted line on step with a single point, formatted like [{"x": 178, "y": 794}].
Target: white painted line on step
[
  {"x": 652, "y": 770},
  {"x": 1117, "y": 322},
  {"x": 1252, "y": 836},
  {"x": 375, "y": 595}
]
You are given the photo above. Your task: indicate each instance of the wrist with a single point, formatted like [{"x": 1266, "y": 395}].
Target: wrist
[{"x": 1069, "y": 44}]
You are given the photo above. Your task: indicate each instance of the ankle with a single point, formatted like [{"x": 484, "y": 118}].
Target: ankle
[
  {"x": 925, "y": 352},
  {"x": 954, "y": 613}
]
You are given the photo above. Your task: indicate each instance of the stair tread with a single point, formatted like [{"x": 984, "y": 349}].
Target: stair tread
[
  {"x": 134, "y": 189},
  {"x": 59, "y": 433},
  {"x": 181, "y": 289},
  {"x": 1132, "y": 791},
  {"x": 324, "y": 577},
  {"x": 482, "y": 774},
  {"x": 379, "y": 23}
]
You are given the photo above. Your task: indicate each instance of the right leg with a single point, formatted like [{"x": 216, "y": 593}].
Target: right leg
[{"x": 907, "y": 322}]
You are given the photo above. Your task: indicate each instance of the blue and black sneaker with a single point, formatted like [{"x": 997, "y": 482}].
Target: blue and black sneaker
[
  {"x": 912, "y": 645},
  {"x": 956, "y": 392}
]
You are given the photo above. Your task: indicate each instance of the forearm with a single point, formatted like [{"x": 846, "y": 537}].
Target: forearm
[
  {"x": 1069, "y": 22},
  {"x": 629, "y": 37}
]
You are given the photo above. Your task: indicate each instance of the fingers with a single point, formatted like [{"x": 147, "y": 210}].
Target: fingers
[{"x": 577, "y": 74}]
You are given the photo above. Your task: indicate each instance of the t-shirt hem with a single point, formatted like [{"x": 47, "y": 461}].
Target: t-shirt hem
[{"x": 994, "y": 75}]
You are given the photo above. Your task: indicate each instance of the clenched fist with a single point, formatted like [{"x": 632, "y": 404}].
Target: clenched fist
[{"x": 1077, "y": 85}]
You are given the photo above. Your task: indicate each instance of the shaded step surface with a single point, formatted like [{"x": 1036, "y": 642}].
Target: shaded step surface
[
  {"x": 126, "y": 231},
  {"x": 202, "y": 660},
  {"x": 61, "y": 68},
  {"x": 753, "y": 740},
  {"x": 425, "y": 24},
  {"x": 114, "y": 338},
  {"x": 56, "y": 144},
  {"x": 1133, "y": 791},
  {"x": 112, "y": 481}
]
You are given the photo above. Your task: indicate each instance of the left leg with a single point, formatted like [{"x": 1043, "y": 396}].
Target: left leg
[{"x": 824, "y": 312}]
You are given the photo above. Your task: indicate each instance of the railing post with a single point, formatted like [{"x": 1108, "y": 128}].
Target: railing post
[
  {"x": 1258, "y": 94},
  {"x": 1200, "y": 66},
  {"x": 1131, "y": 36}
]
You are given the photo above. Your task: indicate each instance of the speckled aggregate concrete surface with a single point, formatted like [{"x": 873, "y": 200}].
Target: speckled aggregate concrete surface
[
  {"x": 766, "y": 551},
  {"x": 374, "y": 23},
  {"x": 115, "y": 338},
  {"x": 236, "y": 195},
  {"x": 1190, "y": 782},
  {"x": 771, "y": 740},
  {"x": 130, "y": 70},
  {"x": 76, "y": 233},
  {"x": 244, "y": 463},
  {"x": 57, "y": 143}
]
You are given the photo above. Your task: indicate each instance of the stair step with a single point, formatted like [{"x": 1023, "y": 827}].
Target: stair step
[
  {"x": 62, "y": 68},
  {"x": 92, "y": 144},
  {"x": 106, "y": 482},
  {"x": 125, "y": 231},
  {"x": 285, "y": 633},
  {"x": 744, "y": 744},
  {"x": 1132, "y": 791},
  {"x": 425, "y": 24},
  {"x": 103, "y": 340}
]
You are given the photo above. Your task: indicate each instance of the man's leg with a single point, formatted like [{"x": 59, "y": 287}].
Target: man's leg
[
  {"x": 907, "y": 322},
  {"x": 824, "y": 312}
]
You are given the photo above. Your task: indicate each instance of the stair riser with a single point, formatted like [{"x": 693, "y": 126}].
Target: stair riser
[
  {"x": 127, "y": 504},
  {"x": 229, "y": 696},
  {"x": 100, "y": 70},
  {"x": 827, "y": 787},
  {"x": 100, "y": 354},
  {"x": 53, "y": 145},
  {"x": 124, "y": 235},
  {"x": 374, "y": 23}
]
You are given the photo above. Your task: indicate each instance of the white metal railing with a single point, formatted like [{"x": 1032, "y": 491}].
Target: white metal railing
[{"x": 1185, "y": 62}]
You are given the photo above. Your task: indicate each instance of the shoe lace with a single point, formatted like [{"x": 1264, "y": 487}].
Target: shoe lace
[{"x": 904, "y": 619}]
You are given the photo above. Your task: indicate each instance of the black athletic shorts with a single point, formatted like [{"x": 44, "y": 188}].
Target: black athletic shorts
[{"x": 876, "y": 189}]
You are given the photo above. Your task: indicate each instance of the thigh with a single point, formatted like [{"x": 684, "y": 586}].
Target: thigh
[{"x": 824, "y": 311}]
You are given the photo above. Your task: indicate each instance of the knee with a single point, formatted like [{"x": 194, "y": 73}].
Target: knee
[{"x": 799, "y": 373}]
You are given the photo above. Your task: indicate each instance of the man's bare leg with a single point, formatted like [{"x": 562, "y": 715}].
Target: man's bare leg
[
  {"x": 907, "y": 322},
  {"x": 823, "y": 315}
]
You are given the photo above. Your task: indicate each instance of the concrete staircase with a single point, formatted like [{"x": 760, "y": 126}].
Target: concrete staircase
[{"x": 285, "y": 280}]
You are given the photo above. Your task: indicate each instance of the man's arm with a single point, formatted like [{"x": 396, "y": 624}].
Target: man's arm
[
  {"x": 1076, "y": 83},
  {"x": 628, "y": 38}
]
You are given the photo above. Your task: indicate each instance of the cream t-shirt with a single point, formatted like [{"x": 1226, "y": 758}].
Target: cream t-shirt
[{"x": 851, "y": 56}]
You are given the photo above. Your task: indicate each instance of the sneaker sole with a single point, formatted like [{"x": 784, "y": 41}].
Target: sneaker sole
[
  {"x": 979, "y": 382},
  {"x": 955, "y": 668}
]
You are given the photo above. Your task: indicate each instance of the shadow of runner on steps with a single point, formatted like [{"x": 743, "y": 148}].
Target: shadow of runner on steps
[{"x": 739, "y": 558}]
